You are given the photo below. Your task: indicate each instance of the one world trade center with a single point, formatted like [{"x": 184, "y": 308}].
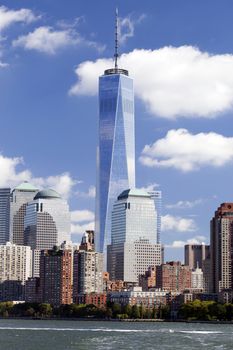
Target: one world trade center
[{"x": 116, "y": 148}]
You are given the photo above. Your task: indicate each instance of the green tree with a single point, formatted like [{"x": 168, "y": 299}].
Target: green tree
[
  {"x": 229, "y": 311},
  {"x": 45, "y": 310},
  {"x": 154, "y": 312},
  {"x": 142, "y": 311},
  {"x": 30, "y": 312},
  {"x": 135, "y": 312},
  {"x": 148, "y": 314},
  {"x": 127, "y": 309},
  {"x": 165, "y": 312},
  {"x": 116, "y": 309},
  {"x": 108, "y": 313}
]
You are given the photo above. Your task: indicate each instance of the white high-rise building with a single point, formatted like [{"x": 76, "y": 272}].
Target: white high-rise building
[
  {"x": 134, "y": 246},
  {"x": 47, "y": 224},
  {"x": 197, "y": 279},
  {"x": 15, "y": 262},
  {"x": 87, "y": 272}
]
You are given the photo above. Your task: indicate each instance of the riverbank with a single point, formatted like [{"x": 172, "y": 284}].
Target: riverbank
[{"x": 90, "y": 319}]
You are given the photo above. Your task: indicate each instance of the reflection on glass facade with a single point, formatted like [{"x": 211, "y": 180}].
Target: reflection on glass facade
[
  {"x": 116, "y": 150},
  {"x": 157, "y": 196}
]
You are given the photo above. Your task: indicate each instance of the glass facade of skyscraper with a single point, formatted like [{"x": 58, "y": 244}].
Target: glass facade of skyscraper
[
  {"x": 116, "y": 150},
  {"x": 134, "y": 245},
  {"x": 157, "y": 196}
]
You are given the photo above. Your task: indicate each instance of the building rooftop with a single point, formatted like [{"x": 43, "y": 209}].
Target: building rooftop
[
  {"x": 47, "y": 194},
  {"x": 26, "y": 186},
  {"x": 134, "y": 192}
]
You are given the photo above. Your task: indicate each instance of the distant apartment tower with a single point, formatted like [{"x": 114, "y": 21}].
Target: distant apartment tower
[
  {"x": 87, "y": 272},
  {"x": 134, "y": 236},
  {"x": 195, "y": 254},
  {"x": 207, "y": 275},
  {"x": 173, "y": 277},
  {"x": 157, "y": 196},
  {"x": 221, "y": 238},
  {"x": 47, "y": 224},
  {"x": 56, "y": 277},
  {"x": 4, "y": 215},
  {"x": 15, "y": 262},
  {"x": 20, "y": 196}
]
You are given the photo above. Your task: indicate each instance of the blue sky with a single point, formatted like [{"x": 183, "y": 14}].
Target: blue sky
[{"x": 180, "y": 54}]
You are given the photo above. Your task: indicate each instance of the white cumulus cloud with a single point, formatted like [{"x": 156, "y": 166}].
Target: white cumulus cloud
[
  {"x": 10, "y": 176},
  {"x": 8, "y": 17},
  {"x": 178, "y": 224},
  {"x": 47, "y": 40},
  {"x": 79, "y": 229},
  {"x": 171, "y": 81},
  {"x": 62, "y": 183},
  {"x": 185, "y": 204},
  {"x": 82, "y": 215},
  {"x": 89, "y": 194},
  {"x": 151, "y": 187},
  {"x": 182, "y": 150},
  {"x": 181, "y": 244},
  {"x": 81, "y": 220},
  {"x": 3, "y": 64}
]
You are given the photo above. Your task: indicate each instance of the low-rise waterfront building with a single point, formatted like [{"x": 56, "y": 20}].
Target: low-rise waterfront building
[{"x": 137, "y": 297}]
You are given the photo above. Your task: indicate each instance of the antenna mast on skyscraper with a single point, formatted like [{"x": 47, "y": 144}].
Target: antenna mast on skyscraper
[
  {"x": 116, "y": 55},
  {"x": 116, "y": 70}
]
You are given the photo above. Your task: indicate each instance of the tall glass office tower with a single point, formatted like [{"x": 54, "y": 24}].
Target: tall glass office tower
[
  {"x": 4, "y": 215},
  {"x": 116, "y": 149}
]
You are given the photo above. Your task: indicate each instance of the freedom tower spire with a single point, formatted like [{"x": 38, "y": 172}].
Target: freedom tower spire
[
  {"x": 116, "y": 146},
  {"x": 116, "y": 39}
]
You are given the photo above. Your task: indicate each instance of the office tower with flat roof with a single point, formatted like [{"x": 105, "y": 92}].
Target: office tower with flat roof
[
  {"x": 4, "y": 215},
  {"x": 134, "y": 245},
  {"x": 116, "y": 148},
  {"x": 47, "y": 224},
  {"x": 20, "y": 196},
  {"x": 56, "y": 276},
  {"x": 221, "y": 238},
  {"x": 195, "y": 254}
]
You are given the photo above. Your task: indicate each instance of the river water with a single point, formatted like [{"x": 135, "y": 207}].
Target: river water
[{"x": 88, "y": 335}]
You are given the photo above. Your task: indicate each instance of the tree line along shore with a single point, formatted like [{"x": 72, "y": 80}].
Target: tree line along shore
[{"x": 192, "y": 311}]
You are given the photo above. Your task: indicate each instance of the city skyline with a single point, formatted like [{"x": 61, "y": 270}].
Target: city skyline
[{"x": 49, "y": 118}]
